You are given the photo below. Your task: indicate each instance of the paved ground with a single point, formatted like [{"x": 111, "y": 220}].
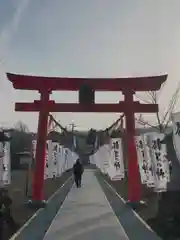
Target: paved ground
[
  {"x": 92, "y": 212},
  {"x": 37, "y": 226},
  {"x": 135, "y": 227},
  {"x": 87, "y": 214},
  {"x": 17, "y": 192}
]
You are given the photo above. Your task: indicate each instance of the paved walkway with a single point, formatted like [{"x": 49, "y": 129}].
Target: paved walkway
[{"x": 86, "y": 215}]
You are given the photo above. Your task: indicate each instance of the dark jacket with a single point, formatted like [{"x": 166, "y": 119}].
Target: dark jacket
[
  {"x": 78, "y": 168},
  {"x": 5, "y": 203}
]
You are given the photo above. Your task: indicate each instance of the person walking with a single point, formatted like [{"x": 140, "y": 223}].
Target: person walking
[
  {"x": 78, "y": 171},
  {"x": 5, "y": 203},
  {"x": 1, "y": 219}
]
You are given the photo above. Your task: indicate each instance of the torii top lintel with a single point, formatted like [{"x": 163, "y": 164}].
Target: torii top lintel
[{"x": 25, "y": 82}]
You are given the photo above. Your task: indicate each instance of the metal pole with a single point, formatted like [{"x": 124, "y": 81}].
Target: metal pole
[{"x": 72, "y": 130}]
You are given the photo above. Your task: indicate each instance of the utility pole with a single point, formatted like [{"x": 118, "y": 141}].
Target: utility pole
[{"x": 72, "y": 129}]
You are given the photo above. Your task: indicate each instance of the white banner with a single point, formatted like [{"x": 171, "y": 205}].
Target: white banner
[
  {"x": 142, "y": 160},
  {"x": 148, "y": 157},
  {"x": 6, "y": 164},
  {"x": 95, "y": 159},
  {"x": 65, "y": 159},
  {"x": 74, "y": 142},
  {"x": 57, "y": 159},
  {"x": 48, "y": 160},
  {"x": 109, "y": 159},
  {"x": 100, "y": 159},
  {"x": 54, "y": 159},
  {"x": 92, "y": 159},
  {"x": 74, "y": 157},
  {"x": 160, "y": 163},
  {"x": 1, "y": 164},
  {"x": 47, "y": 163},
  {"x": 176, "y": 133},
  {"x": 69, "y": 158},
  {"x": 60, "y": 161},
  {"x": 34, "y": 142},
  {"x": 106, "y": 154},
  {"x": 63, "y": 162},
  {"x": 116, "y": 169}
]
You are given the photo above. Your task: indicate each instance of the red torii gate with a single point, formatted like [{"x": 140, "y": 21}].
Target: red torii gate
[{"x": 128, "y": 86}]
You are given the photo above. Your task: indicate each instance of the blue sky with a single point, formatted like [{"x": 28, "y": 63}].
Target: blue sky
[{"x": 97, "y": 38}]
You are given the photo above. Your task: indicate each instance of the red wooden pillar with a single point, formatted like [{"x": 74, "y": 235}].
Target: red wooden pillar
[
  {"x": 134, "y": 186},
  {"x": 38, "y": 178}
]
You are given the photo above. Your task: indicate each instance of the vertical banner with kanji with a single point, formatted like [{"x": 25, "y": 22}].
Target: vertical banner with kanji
[
  {"x": 176, "y": 133},
  {"x": 74, "y": 157},
  {"x": 59, "y": 161},
  {"x": 33, "y": 148},
  {"x": 148, "y": 156},
  {"x": 74, "y": 142},
  {"x": 100, "y": 159},
  {"x": 54, "y": 159},
  {"x": 116, "y": 170},
  {"x": 6, "y": 164},
  {"x": 142, "y": 160},
  {"x": 1, "y": 164},
  {"x": 92, "y": 158},
  {"x": 106, "y": 158},
  {"x": 48, "y": 157},
  {"x": 65, "y": 159},
  {"x": 160, "y": 163},
  {"x": 48, "y": 160}
]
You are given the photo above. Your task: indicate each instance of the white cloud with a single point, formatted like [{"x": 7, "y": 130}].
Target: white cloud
[{"x": 10, "y": 29}]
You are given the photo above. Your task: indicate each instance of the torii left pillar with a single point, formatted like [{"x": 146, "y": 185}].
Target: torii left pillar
[{"x": 38, "y": 177}]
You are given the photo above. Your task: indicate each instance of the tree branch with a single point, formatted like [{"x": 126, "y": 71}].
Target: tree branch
[
  {"x": 58, "y": 124},
  {"x": 142, "y": 122},
  {"x": 171, "y": 105}
]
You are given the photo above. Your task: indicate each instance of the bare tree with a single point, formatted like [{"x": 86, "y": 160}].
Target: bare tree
[
  {"x": 144, "y": 123},
  {"x": 56, "y": 125},
  {"x": 117, "y": 125},
  {"x": 164, "y": 119},
  {"x": 21, "y": 127}
]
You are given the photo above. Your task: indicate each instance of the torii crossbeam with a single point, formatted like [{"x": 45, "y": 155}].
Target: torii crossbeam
[{"x": 128, "y": 86}]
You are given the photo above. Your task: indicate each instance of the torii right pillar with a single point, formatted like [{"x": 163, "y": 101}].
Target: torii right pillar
[{"x": 134, "y": 186}]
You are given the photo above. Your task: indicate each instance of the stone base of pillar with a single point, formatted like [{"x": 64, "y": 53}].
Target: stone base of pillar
[
  {"x": 35, "y": 204},
  {"x": 136, "y": 205}
]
